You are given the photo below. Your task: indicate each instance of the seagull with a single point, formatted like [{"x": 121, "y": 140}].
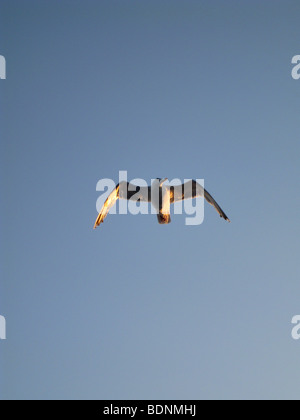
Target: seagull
[{"x": 160, "y": 195}]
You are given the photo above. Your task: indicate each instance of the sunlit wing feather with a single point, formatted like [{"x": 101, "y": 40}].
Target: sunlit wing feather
[
  {"x": 109, "y": 202},
  {"x": 192, "y": 189},
  {"x": 124, "y": 190}
]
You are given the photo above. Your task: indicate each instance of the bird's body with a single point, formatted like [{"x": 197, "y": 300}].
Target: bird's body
[
  {"x": 159, "y": 195},
  {"x": 160, "y": 200}
]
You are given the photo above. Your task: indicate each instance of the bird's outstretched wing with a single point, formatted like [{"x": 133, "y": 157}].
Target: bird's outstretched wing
[
  {"x": 109, "y": 202},
  {"x": 126, "y": 191},
  {"x": 192, "y": 189}
]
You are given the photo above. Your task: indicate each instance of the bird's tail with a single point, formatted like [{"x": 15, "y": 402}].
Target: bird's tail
[{"x": 163, "y": 219}]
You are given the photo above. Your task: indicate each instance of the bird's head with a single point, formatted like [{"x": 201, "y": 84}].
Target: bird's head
[{"x": 161, "y": 181}]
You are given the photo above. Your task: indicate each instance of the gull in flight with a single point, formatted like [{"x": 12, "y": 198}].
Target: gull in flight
[{"x": 159, "y": 195}]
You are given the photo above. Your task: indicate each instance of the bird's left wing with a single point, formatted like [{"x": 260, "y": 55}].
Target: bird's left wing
[{"x": 109, "y": 202}]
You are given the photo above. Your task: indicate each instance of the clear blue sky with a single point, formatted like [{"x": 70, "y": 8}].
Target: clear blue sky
[{"x": 135, "y": 310}]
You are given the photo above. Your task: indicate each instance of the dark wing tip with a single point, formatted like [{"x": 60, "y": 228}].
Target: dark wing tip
[{"x": 223, "y": 216}]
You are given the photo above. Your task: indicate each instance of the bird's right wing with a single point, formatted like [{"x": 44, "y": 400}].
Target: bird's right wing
[
  {"x": 126, "y": 191},
  {"x": 193, "y": 189}
]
